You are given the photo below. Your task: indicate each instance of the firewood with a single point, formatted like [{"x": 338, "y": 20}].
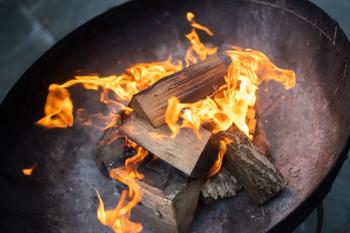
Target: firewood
[
  {"x": 221, "y": 185},
  {"x": 192, "y": 155},
  {"x": 259, "y": 177},
  {"x": 213, "y": 190},
  {"x": 107, "y": 150},
  {"x": 189, "y": 85},
  {"x": 169, "y": 196}
]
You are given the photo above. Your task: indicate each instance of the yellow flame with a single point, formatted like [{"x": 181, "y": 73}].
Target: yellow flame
[
  {"x": 230, "y": 104},
  {"x": 59, "y": 107},
  {"x": 118, "y": 218}
]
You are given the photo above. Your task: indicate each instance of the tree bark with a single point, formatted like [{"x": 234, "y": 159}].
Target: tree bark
[{"x": 259, "y": 177}]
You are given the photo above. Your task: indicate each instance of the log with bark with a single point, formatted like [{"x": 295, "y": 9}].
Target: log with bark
[
  {"x": 259, "y": 177},
  {"x": 224, "y": 184},
  {"x": 169, "y": 199},
  {"x": 192, "y": 155},
  {"x": 189, "y": 86}
]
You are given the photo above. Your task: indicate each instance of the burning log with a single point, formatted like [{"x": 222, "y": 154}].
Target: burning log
[
  {"x": 259, "y": 177},
  {"x": 189, "y": 85},
  {"x": 169, "y": 196},
  {"x": 192, "y": 155},
  {"x": 221, "y": 185},
  {"x": 224, "y": 184}
]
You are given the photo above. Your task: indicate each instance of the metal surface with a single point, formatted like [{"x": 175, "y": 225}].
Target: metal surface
[{"x": 308, "y": 129}]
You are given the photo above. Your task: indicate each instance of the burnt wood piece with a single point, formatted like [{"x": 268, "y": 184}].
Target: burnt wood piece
[
  {"x": 192, "y": 155},
  {"x": 107, "y": 150},
  {"x": 222, "y": 184},
  {"x": 259, "y": 177},
  {"x": 169, "y": 199},
  {"x": 189, "y": 86},
  {"x": 260, "y": 140}
]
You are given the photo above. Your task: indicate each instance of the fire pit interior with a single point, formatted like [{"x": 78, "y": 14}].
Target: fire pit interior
[{"x": 307, "y": 126}]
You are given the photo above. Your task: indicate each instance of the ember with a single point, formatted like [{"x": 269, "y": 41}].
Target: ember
[
  {"x": 223, "y": 106},
  {"x": 29, "y": 171}
]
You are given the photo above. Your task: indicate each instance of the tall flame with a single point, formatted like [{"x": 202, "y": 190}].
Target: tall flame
[
  {"x": 230, "y": 104},
  {"x": 118, "y": 218}
]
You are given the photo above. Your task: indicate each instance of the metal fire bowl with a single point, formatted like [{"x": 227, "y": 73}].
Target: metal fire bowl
[{"x": 308, "y": 128}]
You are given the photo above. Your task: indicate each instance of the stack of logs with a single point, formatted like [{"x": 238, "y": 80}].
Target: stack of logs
[{"x": 176, "y": 168}]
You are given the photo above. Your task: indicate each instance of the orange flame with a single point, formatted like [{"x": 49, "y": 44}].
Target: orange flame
[
  {"x": 216, "y": 167},
  {"x": 59, "y": 107},
  {"x": 29, "y": 171},
  {"x": 190, "y": 17},
  {"x": 118, "y": 218},
  {"x": 230, "y": 104},
  {"x": 196, "y": 45}
]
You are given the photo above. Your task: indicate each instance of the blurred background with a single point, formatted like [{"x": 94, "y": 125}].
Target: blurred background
[{"x": 28, "y": 28}]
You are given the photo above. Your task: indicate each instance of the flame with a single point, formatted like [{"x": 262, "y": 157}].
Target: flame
[
  {"x": 118, "y": 218},
  {"x": 190, "y": 17},
  {"x": 29, "y": 170},
  {"x": 59, "y": 107},
  {"x": 196, "y": 46},
  {"x": 216, "y": 167},
  {"x": 230, "y": 104}
]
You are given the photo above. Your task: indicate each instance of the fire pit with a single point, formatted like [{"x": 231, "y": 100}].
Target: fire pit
[{"x": 308, "y": 126}]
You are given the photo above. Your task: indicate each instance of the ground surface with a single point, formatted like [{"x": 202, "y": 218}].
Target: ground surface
[{"x": 28, "y": 28}]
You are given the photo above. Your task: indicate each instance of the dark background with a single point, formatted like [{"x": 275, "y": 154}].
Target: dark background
[{"x": 28, "y": 28}]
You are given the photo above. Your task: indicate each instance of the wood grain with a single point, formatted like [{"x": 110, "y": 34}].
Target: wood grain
[
  {"x": 259, "y": 177},
  {"x": 189, "y": 85},
  {"x": 168, "y": 207},
  {"x": 192, "y": 155}
]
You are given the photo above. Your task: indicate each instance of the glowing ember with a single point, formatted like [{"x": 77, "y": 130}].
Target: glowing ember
[{"x": 29, "y": 171}]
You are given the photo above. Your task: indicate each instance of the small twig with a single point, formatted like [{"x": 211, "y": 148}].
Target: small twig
[{"x": 262, "y": 209}]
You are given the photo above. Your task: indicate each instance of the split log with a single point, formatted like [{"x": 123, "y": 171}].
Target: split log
[
  {"x": 192, "y": 155},
  {"x": 189, "y": 86},
  {"x": 259, "y": 177},
  {"x": 169, "y": 199},
  {"x": 221, "y": 185}
]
